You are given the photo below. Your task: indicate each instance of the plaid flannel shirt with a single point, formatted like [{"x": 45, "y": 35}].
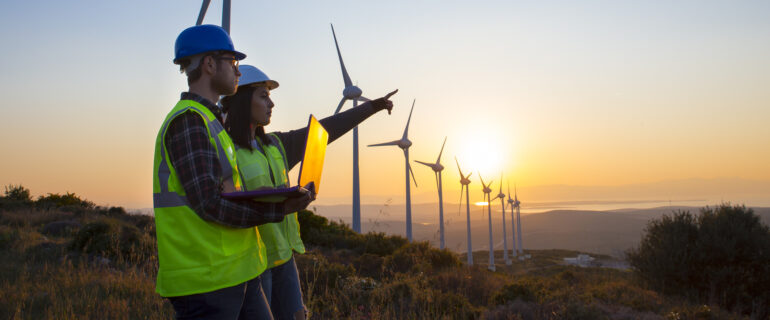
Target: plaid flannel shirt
[{"x": 197, "y": 166}]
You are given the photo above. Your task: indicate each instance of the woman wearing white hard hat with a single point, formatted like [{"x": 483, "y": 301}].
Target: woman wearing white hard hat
[{"x": 264, "y": 161}]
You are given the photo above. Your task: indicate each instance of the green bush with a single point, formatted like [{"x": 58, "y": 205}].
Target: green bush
[
  {"x": 721, "y": 257},
  {"x": 71, "y": 200},
  {"x": 410, "y": 298},
  {"x": 17, "y": 193},
  {"x": 316, "y": 230},
  {"x": 520, "y": 290},
  {"x": 420, "y": 257},
  {"x": 114, "y": 239},
  {"x": 16, "y": 197}
]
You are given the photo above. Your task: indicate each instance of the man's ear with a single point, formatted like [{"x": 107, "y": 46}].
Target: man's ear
[{"x": 208, "y": 65}]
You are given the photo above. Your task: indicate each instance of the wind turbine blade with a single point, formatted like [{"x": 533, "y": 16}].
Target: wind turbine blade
[
  {"x": 425, "y": 163},
  {"x": 406, "y": 130},
  {"x": 469, "y": 175},
  {"x": 482, "y": 180},
  {"x": 412, "y": 173},
  {"x": 509, "y": 188},
  {"x": 495, "y": 198},
  {"x": 440, "y": 152},
  {"x": 226, "y": 15},
  {"x": 204, "y": 8},
  {"x": 339, "y": 106},
  {"x": 364, "y": 99},
  {"x": 392, "y": 143},
  {"x": 458, "y": 168},
  {"x": 345, "y": 75},
  {"x": 501, "y": 183}
]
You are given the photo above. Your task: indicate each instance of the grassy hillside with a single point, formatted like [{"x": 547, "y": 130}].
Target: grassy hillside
[{"x": 82, "y": 261}]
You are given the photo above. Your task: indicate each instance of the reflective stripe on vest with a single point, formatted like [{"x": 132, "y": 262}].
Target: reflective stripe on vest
[
  {"x": 194, "y": 255},
  {"x": 280, "y": 238}
]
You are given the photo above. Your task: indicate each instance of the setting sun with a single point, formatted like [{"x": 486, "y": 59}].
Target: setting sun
[{"x": 483, "y": 153}]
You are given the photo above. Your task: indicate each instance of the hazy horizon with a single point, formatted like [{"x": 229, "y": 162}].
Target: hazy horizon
[{"x": 570, "y": 100}]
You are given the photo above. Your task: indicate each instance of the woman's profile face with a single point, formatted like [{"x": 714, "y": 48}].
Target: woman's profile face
[{"x": 261, "y": 107}]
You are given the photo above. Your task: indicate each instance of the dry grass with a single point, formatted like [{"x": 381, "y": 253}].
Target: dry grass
[{"x": 370, "y": 277}]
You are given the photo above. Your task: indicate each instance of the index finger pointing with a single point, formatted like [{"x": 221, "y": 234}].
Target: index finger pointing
[{"x": 387, "y": 96}]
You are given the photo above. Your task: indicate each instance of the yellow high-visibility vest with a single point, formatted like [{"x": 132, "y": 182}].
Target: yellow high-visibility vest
[
  {"x": 256, "y": 167},
  {"x": 195, "y": 255}
]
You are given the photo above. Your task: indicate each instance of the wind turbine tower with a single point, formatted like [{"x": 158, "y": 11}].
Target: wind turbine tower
[
  {"x": 437, "y": 168},
  {"x": 501, "y": 196},
  {"x": 464, "y": 182},
  {"x": 487, "y": 192},
  {"x": 511, "y": 204},
  {"x": 404, "y": 144},
  {"x": 225, "y": 14},
  {"x": 353, "y": 93},
  {"x": 517, "y": 206}
]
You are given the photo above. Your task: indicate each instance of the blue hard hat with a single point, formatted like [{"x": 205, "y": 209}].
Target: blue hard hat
[{"x": 204, "y": 38}]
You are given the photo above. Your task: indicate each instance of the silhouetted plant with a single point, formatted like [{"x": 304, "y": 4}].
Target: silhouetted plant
[
  {"x": 55, "y": 200},
  {"x": 17, "y": 193},
  {"x": 720, "y": 257},
  {"x": 16, "y": 196},
  {"x": 114, "y": 239}
]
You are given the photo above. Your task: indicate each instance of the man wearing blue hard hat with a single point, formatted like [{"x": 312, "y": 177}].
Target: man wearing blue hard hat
[{"x": 210, "y": 253}]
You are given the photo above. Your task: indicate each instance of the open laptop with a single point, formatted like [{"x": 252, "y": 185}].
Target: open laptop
[{"x": 309, "y": 171}]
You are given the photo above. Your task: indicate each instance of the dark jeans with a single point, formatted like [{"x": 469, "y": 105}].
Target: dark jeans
[
  {"x": 282, "y": 290},
  {"x": 243, "y": 301}
]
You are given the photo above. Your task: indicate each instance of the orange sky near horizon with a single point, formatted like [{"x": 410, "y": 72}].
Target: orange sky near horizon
[{"x": 589, "y": 94}]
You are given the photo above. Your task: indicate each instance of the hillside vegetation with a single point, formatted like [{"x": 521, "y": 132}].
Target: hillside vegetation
[{"x": 66, "y": 258}]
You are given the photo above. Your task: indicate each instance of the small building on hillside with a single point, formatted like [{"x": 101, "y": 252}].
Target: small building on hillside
[{"x": 582, "y": 260}]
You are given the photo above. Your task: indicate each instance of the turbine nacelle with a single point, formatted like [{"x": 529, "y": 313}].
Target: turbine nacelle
[
  {"x": 404, "y": 144},
  {"x": 352, "y": 92},
  {"x": 500, "y": 195},
  {"x": 465, "y": 181}
]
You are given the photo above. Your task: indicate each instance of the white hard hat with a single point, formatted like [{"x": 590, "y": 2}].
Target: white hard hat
[{"x": 252, "y": 75}]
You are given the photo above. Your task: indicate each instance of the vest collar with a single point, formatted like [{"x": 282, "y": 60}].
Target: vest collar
[{"x": 213, "y": 107}]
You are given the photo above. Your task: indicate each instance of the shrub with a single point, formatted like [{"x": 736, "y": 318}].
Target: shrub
[
  {"x": 55, "y": 200},
  {"x": 114, "y": 239},
  {"x": 380, "y": 244},
  {"x": 420, "y": 256},
  {"x": 475, "y": 283},
  {"x": 625, "y": 294},
  {"x": 15, "y": 197},
  {"x": 17, "y": 193},
  {"x": 721, "y": 257},
  {"x": 520, "y": 290},
  {"x": 369, "y": 265},
  {"x": 665, "y": 258},
  {"x": 409, "y": 298}
]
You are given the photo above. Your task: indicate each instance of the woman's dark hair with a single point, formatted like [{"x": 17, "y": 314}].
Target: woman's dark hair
[{"x": 238, "y": 122}]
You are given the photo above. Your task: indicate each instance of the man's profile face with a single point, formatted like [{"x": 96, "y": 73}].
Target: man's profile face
[{"x": 225, "y": 80}]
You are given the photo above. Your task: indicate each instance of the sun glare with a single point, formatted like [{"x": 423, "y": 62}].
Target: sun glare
[
  {"x": 482, "y": 153},
  {"x": 481, "y": 203}
]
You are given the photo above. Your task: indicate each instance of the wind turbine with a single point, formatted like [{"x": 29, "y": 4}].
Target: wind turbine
[
  {"x": 464, "y": 182},
  {"x": 512, "y": 205},
  {"x": 353, "y": 93},
  {"x": 404, "y": 144},
  {"x": 437, "y": 168},
  {"x": 487, "y": 192},
  {"x": 501, "y": 196},
  {"x": 225, "y": 14},
  {"x": 517, "y": 206}
]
